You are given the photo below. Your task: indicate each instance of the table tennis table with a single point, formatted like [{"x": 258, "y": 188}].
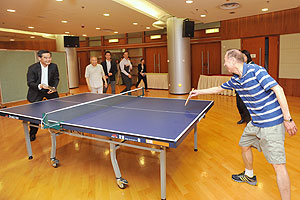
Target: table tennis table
[{"x": 159, "y": 122}]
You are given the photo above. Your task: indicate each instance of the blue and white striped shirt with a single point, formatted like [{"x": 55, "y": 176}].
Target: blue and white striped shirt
[{"x": 254, "y": 87}]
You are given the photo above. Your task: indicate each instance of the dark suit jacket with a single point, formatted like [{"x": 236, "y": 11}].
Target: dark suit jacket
[
  {"x": 34, "y": 79},
  {"x": 112, "y": 70},
  {"x": 140, "y": 69}
]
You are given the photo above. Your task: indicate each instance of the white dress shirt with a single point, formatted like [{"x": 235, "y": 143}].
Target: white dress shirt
[
  {"x": 108, "y": 65},
  {"x": 122, "y": 65},
  {"x": 44, "y": 76}
]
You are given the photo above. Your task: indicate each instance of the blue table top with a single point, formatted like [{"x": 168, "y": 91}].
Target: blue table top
[{"x": 151, "y": 118}]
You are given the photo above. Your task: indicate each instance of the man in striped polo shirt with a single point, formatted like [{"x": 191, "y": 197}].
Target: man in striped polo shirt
[{"x": 268, "y": 107}]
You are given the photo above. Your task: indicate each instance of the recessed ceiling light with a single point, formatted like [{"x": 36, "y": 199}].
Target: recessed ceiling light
[
  {"x": 31, "y": 27},
  {"x": 59, "y": 0},
  {"x": 106, "y": 14},
  {"x": 188, "y": 1},
  {"x": 67, "y": 32},
  {"x": 265, "y": 9},
  {"x": 84, "y": 35},
  {"x": 11, "y": 40},
  {"x": 116, "y": 32},
  {"x": 202, "y": 15},
  {"x": 98, "y": 28},
  {"x": 147, "y": 27},
  {"x": 11, "y": 10},
  {"x": 32, "y": 37},
  {"x": 135, "y": 23},
  {"x": 64, "y": 21}
]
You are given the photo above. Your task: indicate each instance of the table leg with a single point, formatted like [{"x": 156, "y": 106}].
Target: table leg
[
  {"x": 27, "y": 140},
  {"x": 54, "y": 161},
  {"x": 121, "y": 182},
  {"x": 195, "y": 138},
  {"x": 163, "y": 173}
]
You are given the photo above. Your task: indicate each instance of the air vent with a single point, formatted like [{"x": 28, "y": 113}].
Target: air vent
[{"x": 229, "y": 6}]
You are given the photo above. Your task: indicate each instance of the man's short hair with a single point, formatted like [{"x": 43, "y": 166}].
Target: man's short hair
[
  {"x": 236, "y": 54},
  {"x": 107, "y": 52},
  {"x": 41, "y": 52}
]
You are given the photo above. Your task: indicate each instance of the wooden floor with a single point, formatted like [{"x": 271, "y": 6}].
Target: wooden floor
[{"x": 86, "y": 171}]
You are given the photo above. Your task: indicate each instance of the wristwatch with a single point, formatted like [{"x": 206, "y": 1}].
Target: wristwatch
[{"x": 288, "y": 120}]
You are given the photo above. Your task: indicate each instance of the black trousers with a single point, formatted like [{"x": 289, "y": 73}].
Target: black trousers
[
  {"x": 144, "y": 78},
  {"x": 127, "y": 81},
  {"x": 242, "y": 108},
  {"x": 42, "y": 94}
]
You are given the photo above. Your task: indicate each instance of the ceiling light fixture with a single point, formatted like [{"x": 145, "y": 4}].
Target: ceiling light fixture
[
  {"x": 67, "y": 32},
  {"x": 32, "y": 37},
  {"x": 113, "y": 40},
  {"x": 11, "y": 40},
  {"x": 135, "y": 23},
  {"x": 106, "y": 14},
  {"x": 59, "y": 0},
  {"x": 11, "y": 10},
  {"x": 64, "y": 21},
  {"x": 84, "y": 35},
  {"x": 116, "y": 32},
  {"x": 147, "y": 27},
  {"x": 152, "y": 37},
  {"x": 31, "y": 27},
  {"x": 265, "y": 9},
  {"x": 188, "y": 1},
  {"x": 202, "y": 15},
  {"x": 45, "y": 35},
  {"x": 146, "y": 8},
  {"x": 98, "y": 28}
]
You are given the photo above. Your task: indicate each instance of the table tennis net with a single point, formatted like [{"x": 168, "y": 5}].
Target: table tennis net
[{"x": 54, "y": 118}]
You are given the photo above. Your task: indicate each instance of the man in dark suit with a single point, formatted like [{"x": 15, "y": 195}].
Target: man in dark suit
[
  {"x": 42, "y": 80},
  {"x": 110, "y": 70},
  {"x": 142, "y": 74}
]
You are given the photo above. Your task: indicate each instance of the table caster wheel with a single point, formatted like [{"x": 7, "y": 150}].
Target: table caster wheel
[
  {"x": 30, "y": 157},
  {"x": 121, "y": 182},
  {"x": 54, "y": 162}
]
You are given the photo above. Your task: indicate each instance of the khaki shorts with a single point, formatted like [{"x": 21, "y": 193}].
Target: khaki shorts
[{"x": 270, "y": 140}]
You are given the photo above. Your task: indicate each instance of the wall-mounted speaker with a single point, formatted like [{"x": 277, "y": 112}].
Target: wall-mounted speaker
[
  {"x": 71, "y": 41},
  {"x": 188, "y": 28}
]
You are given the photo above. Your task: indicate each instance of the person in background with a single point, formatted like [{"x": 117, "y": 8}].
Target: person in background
[
  {"x": 110, "y": 70},
  {"x": 94, "y": 75},
  {"x": 42, "y": 80},
  {"x": 126, "y": 67},
  {"x": 142, "y": 74},
  {"x": 244, "y": 113}
]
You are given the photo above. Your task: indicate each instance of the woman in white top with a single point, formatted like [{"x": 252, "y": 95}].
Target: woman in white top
[{"x": 94, "y": 75}]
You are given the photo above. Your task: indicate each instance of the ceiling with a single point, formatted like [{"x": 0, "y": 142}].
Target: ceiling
[{"x": 84, "y": 16}]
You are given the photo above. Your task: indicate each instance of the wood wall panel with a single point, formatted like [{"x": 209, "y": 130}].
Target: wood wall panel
[
  {"x": 274, "y": 23},
  {"x": 274, "y": 56},
  {"x": 30, "y": 45},
  {"x": 290, "y": 86}
]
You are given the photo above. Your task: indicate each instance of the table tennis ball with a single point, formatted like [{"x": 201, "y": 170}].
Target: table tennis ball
[{"x": 179, "y": 84}]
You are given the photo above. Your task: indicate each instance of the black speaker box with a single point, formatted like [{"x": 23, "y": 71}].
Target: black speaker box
[
  {"x": 71, "y": 41},
  {"x": 188, "y": 29}
]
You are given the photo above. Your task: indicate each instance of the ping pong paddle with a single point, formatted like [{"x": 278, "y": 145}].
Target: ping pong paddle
[
  {"x": 188, "y": 99},
  {"x": 50, "y": 88}
]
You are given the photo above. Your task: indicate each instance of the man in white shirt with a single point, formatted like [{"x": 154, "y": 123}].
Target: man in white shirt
[
  {"x": 126, "y": 67},
  {"x": 94, "y": 75}
]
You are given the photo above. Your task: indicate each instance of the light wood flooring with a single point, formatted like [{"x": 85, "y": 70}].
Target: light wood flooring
[{"x": 86, "y": 171}]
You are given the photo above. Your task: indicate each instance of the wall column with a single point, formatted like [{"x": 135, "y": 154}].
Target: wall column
[{"x": 179, "y": 58}]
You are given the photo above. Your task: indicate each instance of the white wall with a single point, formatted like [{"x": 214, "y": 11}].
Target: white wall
[
  {"x": 225, "y": 45},
  {"x": 289, "y": 59}
]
